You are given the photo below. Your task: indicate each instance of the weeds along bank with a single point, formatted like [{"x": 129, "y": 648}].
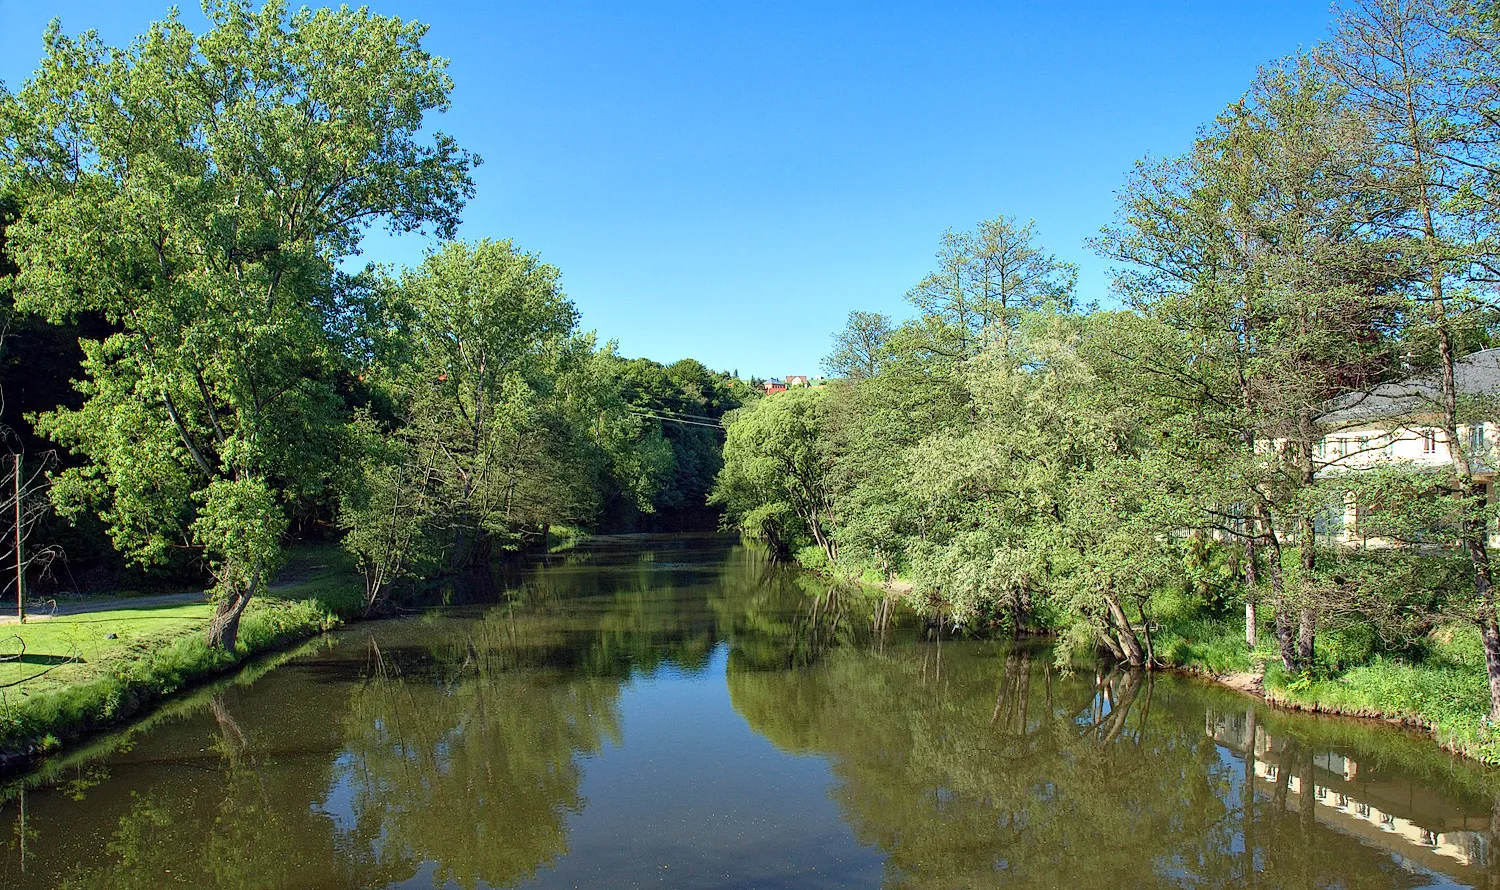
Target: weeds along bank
[{"x": 1280, "y": 449}]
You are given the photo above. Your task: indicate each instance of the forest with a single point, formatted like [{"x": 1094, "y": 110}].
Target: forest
[
  {"x": 199, "y": 372},
  {"x": 1169, "y": 473}
]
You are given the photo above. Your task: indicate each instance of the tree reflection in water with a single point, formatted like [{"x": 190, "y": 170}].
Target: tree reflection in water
[
  {"x": 470, "y": 764},
  {"x": 452, "y": 750},
  {"x": 996, "y": 771}
]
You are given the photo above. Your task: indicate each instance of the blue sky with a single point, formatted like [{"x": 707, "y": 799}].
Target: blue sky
[{"x": 727, "y": 181}]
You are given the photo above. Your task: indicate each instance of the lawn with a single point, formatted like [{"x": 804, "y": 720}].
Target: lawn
[
  {"x": 62, "y": 677},
  {"x": 75, "y": 648}
]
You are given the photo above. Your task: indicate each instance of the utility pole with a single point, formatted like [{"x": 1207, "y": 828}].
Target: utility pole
[{"x": 20, "y": 555}]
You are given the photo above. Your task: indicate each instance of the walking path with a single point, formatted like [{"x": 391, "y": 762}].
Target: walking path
[{"x": 107, "y": 604}]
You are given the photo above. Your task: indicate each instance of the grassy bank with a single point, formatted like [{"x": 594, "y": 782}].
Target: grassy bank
[
  {"x": 65, "y": 677},
  {"x": 1438, "y": 685}
]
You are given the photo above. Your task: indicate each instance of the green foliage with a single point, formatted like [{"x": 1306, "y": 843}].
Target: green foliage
[
  {"x": 774, "y": 483},
  {"x": 503, "y": 421},
  {"x": 199, "y": 191},
  {"x": 1203, "y": 644}
]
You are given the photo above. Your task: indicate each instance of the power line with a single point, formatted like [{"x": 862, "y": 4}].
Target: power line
[
  {"x": 678, "y": 414},
  {"x": 657, "y": 417}
]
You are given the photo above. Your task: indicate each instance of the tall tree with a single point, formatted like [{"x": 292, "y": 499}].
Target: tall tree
[
  {"x": 859, "y": 350},
  {"x": 490, "y": 328},
  {"x": 985, "y": 281},
  {"x": 1260, "y": 252},
  {"x": 199, "y": 191},
  {"x": 1416, "y": 71}
]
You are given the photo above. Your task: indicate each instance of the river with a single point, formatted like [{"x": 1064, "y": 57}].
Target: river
[{"x": 677, "y": 712}]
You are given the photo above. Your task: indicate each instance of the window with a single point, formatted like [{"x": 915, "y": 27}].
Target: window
[
  {"x": 1476, "y": 437},
  {"x": 1429, "y": 441}
]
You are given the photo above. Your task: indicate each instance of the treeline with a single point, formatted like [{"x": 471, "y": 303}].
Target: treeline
[
  {"x": 1124, "y": 476},
  {"x": 187, "y": 211}
]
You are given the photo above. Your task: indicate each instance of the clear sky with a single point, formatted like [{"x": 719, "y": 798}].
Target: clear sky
[{"x": 728, "y": 180}]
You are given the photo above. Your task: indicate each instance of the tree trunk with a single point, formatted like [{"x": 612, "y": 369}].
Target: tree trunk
[
  {"x": 1307, "y": 630},
  {"x": 1280, "y": 615},
  {"x": 1307, "y": 625},
  {"x": 1285, "y": 640},
  {"x": 1489, "y": 632},
  {"x": 1130, "y": 644},
  {"x": 1252, "y": 585},
  {"x": 1108, "y": 641},
  {"x": 224, "y": 628},
  {"x": 826, "y": 543}
]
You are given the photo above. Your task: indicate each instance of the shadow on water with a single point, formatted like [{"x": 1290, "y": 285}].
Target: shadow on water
[{"x": 651, "y": 705}]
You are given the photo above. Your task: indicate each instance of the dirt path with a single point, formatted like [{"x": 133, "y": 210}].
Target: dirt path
[
  {"x": 1252, "y": 683},
  {"x": 108, "y": 604}
]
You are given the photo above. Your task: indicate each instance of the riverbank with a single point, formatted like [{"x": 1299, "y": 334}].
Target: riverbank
[
  {"x": 67, "y": 677},
  {"x": 1444, "y": 694}
]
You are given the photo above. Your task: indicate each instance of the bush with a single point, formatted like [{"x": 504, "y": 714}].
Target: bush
[
  {"x": 1213, "y": 645},
  {"x": 1341, "y": 648}
]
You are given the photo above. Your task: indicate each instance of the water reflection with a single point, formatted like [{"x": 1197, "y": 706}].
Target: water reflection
[
  {"x": 603, "y": 721},
  {"x": 1385, "y": 808}
]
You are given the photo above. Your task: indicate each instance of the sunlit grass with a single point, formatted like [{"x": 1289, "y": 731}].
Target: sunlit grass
[{"x": 70, "y": 677}]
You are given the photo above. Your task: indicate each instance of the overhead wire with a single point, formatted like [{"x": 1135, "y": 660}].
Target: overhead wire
[{"x": 665, "y": 419}]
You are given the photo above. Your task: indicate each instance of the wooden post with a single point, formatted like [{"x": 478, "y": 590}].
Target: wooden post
[{"x": 20, "y": 556}]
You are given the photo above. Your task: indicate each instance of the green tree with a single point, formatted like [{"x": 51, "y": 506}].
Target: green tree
[
  {"x": 490, "y": 326},
  {"x": 199, "y": 191},
  {"x": 985, "y": 281},
  {"x": 775, "y": 483},
  {"x": 1421, "y": 74},
  {"x": 859, "y": 350},
  {"x": 1256, "y": 261}
]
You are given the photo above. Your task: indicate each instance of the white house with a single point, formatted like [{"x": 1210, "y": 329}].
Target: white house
[{"x": 1395, "y": 424}]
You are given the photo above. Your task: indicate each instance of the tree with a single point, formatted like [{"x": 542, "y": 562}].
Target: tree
[
  {"x": 489, "y": 328},
  {"x": 859, "y": 349},
  {"x": 1420, "y": 73},
  {"x": 199, "y": 191},
  {"x": 775, "y": 482},
  {"x": 985, "y": 280},
  {"x": 1256, "y": 259}
]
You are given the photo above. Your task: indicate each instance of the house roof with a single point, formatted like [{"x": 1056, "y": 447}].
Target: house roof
[{"x": 1475, "y": 374}]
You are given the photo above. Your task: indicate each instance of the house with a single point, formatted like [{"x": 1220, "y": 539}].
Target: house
[
  {"x": 775, "y": 385},
  {"x": 1395, "y": 424},
  {"x": 796, "y": 380}
]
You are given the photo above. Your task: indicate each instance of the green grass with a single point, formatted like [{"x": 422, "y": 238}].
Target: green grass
[
  {"x": 1440, "y": 686},
  {"x": 1445, "y": 692},
  {"x": 74, "y": 649},
  {"x": 1203, "y": 644},
  {"x": 72, "y": 680}
]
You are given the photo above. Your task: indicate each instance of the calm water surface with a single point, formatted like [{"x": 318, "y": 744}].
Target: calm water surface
[{"x": 674, "y": 712}]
